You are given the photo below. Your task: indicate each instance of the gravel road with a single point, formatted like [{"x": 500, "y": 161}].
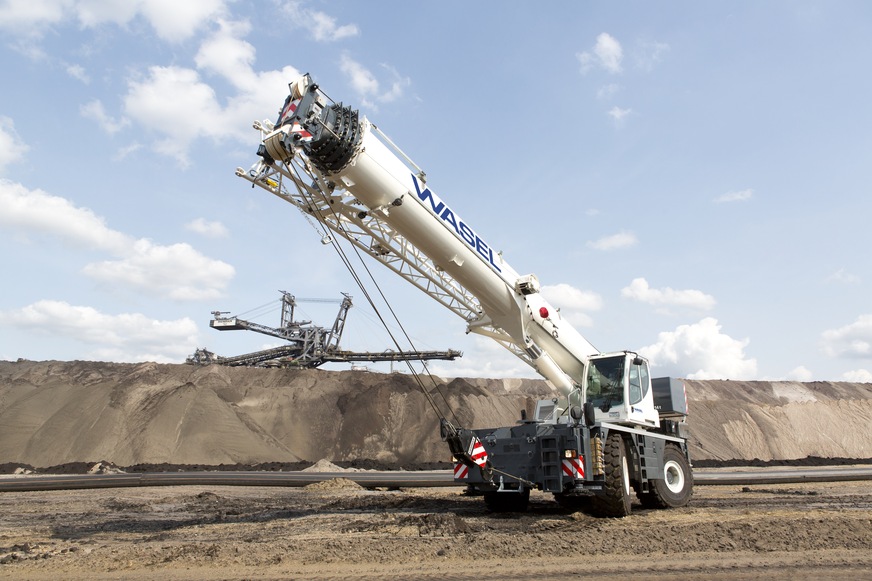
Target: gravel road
[{"x": 338, "y": 530}]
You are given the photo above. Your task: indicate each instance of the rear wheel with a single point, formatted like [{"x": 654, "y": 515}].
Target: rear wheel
[
  {"x": 614, "y": 499},
  {"x": 676, "y": 487}
]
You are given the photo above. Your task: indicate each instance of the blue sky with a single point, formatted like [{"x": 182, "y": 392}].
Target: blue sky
[{"x": 691, "y": 180}]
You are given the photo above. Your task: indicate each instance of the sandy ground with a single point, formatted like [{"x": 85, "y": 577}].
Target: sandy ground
[{"x": 337, "y": 530}]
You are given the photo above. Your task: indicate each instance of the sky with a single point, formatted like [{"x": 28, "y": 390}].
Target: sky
[{"x": 689, "y": 180}]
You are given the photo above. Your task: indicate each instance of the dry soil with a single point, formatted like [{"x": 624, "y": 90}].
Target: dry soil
[{"x": 337, "y": 530}]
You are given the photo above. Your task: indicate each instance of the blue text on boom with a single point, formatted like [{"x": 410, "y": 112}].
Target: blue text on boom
[{"x": 449, "y": 217}]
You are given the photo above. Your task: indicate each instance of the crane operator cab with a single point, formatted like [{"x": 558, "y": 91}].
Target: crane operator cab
[{"x": 619, "y": 389}]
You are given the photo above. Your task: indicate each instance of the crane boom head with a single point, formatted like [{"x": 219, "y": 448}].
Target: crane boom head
[{"x": 330, "y": 132}]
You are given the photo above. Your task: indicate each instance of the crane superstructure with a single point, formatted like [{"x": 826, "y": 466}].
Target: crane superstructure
[{"x": 604, "y": 432}]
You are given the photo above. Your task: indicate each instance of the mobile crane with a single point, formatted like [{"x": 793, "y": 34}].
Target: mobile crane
[{"x": 611, "y": 429}]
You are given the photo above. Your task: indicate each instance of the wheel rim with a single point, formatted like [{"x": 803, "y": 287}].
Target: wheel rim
[{"x": 673, "y": 476}]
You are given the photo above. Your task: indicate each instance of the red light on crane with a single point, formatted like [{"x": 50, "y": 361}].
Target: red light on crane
[{"x": 543, "y": 312}]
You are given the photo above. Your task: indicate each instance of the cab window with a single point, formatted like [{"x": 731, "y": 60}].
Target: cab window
[
  {"x": 605, "y": 382},
  {"x": 639, "y": 382}
]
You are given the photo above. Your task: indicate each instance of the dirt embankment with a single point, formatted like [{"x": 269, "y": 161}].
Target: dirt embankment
[
  {"x": 53, "y": 413},
  {"x": 772, "y": 420}
]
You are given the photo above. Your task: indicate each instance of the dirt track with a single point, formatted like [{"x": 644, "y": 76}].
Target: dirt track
[{"x": 337, "y": 530}]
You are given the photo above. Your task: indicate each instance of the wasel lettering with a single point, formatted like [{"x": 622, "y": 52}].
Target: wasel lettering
[{"x": 449, "y": 217}]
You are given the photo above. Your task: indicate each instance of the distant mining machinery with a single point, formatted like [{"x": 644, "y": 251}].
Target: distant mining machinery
[{"x": 308, "y": 345}]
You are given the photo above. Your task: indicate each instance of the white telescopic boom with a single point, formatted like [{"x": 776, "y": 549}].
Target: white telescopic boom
[{"x": 342, "y": 152}]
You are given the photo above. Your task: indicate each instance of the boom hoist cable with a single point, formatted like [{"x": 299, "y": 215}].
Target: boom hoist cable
[
  {"x": 464, "y": 444},
  {"x": 324, "y": 152},
  {"x": 363, "y": 288}
]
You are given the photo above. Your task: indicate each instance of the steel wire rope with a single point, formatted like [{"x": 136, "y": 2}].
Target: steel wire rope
[
  {"x": 270, "y": 307},
  {"x": 308, "y": 195},
  {"x": 325, "y": 127},
  {"x": 357, "y": 279},
  {"x": 345, "y": 260},
  {"x": 366, "y": 315}
]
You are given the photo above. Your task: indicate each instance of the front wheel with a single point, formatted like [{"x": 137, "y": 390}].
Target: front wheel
[
  {"x": 676, "y": 487},
  {"x": 614, "y": 500}
]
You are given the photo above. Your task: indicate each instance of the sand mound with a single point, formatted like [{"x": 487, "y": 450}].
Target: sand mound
[
  {"x": 52, "y": 413},
  {"x": 335, "y": 484},
  {"x": 323, "y": 465}
]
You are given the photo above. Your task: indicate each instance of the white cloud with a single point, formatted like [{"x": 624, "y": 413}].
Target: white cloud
[
  {"x": 324, "y": 27},
  {"x": 37, "y": 212},
  {"x": 606, "y": 53},
  {"x": 700, "y": 351},
  {"x": 320, "y": 25},
  {"x": 740, "y": 196},
  {"x": 94, "y": 110},
  {"x": 226, "y": 54},
  {"x": 649, "y": 54},
  {"x": 858, "y": 376},
  {"x": 841, "y": 276},
  {"x": 177, "y": 271},
  {"x": 206, "y": 228},
  {"x": 361, "y": 79},
  {"x": 613, "y": 242},
  {"x": 176, "y": 103},
  {"x": 175, "y": 21},
  {"x": 619, "y": 114},
  {"x": 93, "y": 13},
  {"x": 607, "y": 91},
  {"x": 486, "y": 358},
  {"x": 172, "y": 101},
  {"x": 398, "y": 85},
  {"x": 127, "y": 150},
  {"x": 639, "y": 290},
  {"x": 172, "y": 20},
  {"x": 367, "y": 85},
  {"x": 800, "y": 374},
  {"x": 78, "y": 72},
  {"x": 573, "y": 303},
  {"x": 28, "y": 17},
  {"x": 123, "y": 337},
  {"x": 853, "y": 340},
  {"x": 12, "y": 148}
]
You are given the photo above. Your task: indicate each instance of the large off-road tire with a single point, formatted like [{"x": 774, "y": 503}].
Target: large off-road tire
[
  {"x": 614, "y": 499},
  {"x": 676, "y": 488},
  {"x": 507, "y": 501}
]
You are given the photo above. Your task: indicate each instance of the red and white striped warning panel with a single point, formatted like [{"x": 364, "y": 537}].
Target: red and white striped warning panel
[
  {"x": 573, "y": 467},
  {"x": 289, "y": 110},
  {"x": 461, "y": 471},
  {"x": 477, "y": 452}
]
